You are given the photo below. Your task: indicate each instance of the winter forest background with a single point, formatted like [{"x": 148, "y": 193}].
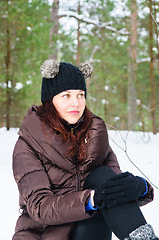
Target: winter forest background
[{"x": 119, "y": 38}]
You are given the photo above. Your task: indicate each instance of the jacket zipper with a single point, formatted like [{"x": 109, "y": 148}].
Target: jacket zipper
[
  {"x": 78, "y": 178},
  {"x": 77, "y": 169}
]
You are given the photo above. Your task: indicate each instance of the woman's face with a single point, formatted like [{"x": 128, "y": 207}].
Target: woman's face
[{"x": 70, "y": 105}]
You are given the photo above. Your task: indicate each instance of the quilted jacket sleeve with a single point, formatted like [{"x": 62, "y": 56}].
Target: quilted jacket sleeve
[
  {"x": 111, "y": 161},
  {"x": 35, "y": 190}
]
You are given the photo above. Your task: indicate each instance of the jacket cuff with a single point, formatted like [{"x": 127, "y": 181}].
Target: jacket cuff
[
  {"x": 89, "y": 205},
  {"x": 146, "y": 185}
]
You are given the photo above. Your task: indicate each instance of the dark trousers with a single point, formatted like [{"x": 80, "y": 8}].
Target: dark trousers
[{"x": 121, "y": 220}]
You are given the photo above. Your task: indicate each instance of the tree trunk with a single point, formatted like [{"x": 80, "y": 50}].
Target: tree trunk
[
  {"x": 7, "y": 64},
  {"x": 78, "y": 37},
  {"x": 156, "y": 31},
  {"x": 132, "y": 68},
  {"x": 152, "y": 82},
  {"x": 54, "y": 30}
]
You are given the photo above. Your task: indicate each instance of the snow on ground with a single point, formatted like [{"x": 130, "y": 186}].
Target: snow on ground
[{"x": 142, "y": 149}]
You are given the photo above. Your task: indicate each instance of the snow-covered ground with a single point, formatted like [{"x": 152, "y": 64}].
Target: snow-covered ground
[{"x": 142, "y": 149}]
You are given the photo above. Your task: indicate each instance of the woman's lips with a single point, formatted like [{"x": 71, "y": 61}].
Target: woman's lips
[{"x": 74, "y": 112}]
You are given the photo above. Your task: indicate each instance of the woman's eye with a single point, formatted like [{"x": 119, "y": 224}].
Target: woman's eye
[
  {"x": 66, "y": 96},
  {"x": 81, "y": 95}
]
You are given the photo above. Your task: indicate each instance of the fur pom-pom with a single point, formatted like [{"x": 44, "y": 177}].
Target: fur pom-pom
[
  {"x": 49, "y": 68},
  {"x": 86, "y": 69}
]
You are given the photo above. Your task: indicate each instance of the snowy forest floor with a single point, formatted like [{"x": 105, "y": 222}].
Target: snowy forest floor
[{"x": 141, "y": 148}]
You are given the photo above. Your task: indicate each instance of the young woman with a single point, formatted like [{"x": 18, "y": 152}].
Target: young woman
[{"x": 69, "y": 180}]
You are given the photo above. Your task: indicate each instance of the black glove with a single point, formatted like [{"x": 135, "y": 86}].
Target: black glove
[
  {"x": 99, "y": 198},
  {"x": 122, "y": 188}
]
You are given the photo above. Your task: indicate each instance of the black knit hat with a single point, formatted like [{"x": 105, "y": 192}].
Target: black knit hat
[{"x": 58, "y": 77}]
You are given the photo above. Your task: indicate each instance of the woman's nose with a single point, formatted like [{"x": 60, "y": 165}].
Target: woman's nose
[{"x": 75, "y": 102}]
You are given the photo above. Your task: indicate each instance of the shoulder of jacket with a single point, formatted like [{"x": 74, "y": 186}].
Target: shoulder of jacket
[
  {"x": 30, "y": 121},
  {"x": 96, "y": 119},
  {"x": 31, "y": 112},
  {"x": 97, "y": 123}
]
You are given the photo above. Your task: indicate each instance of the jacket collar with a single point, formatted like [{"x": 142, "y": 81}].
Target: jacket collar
[{"x": 73, "y": 127}]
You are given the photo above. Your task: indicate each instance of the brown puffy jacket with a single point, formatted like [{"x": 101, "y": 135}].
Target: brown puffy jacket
[{"x": 50, "y": 185}]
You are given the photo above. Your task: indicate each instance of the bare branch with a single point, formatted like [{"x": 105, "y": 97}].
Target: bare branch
[
  {"x": 154, "y": 108},
  {"x": 127, "y": 155},
  {"x": 149, "y": 109},
  {"x": 152, "y": 16},
  {"x": 100, "y": 25},
  {"x": 143, "y": 60}
]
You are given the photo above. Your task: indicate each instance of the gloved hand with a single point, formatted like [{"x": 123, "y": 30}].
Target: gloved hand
[
  {"x": 99, "y": 197},
  {"x": 120, "y": 189},
  {"x": 123, "y": 188}
]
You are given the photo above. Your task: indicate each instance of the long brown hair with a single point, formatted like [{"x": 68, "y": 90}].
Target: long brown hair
[{"x": 50, "y": 116}]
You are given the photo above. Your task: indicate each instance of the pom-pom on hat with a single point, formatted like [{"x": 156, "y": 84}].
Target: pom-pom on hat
[{"x": 58, "y": 77}]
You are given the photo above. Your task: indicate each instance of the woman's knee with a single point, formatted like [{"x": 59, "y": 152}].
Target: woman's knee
[
  {"x": 98, "y": 176},
  {"x": 92, "y": 228}
]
